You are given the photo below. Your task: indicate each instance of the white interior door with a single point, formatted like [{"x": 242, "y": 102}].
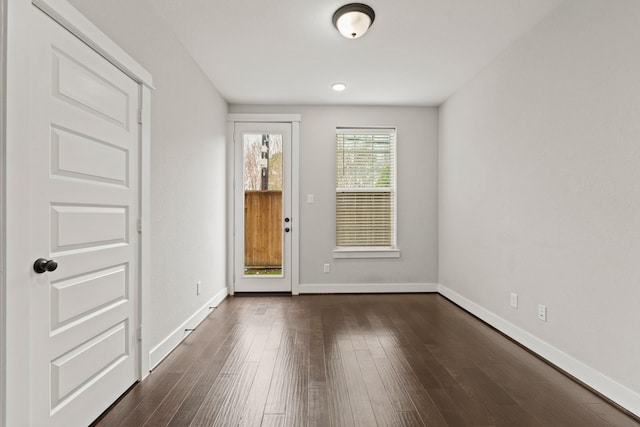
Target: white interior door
[
  {"x": 84, "y": 195},
  {"x": 263, "y": 221}
]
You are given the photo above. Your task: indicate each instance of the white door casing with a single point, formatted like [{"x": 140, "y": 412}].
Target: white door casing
[
  {"x": 3, "y": 64},
  {"x": 286, "y": 125},
  {"x": 76, "y": 184}
]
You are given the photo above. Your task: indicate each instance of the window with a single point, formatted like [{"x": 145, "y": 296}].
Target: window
[{"x": 365, "y": 193}]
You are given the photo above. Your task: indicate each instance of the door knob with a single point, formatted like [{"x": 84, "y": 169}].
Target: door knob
[
  {"x": 286, "y": 230},
  {"x": 42, "y": 264},
  {"x": 287, "y": 220}
]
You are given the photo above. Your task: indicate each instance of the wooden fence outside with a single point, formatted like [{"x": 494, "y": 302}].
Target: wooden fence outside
[{"x": 262, "y": 228}]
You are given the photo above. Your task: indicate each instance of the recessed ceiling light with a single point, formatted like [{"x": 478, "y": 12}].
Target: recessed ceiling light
[{"x": 338, "y": 87}]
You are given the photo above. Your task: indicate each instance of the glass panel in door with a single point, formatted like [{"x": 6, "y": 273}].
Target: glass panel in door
[{"x": 262, "y": 178}]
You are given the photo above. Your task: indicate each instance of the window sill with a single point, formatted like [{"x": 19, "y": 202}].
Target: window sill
[{"x": 366, "y": 252}]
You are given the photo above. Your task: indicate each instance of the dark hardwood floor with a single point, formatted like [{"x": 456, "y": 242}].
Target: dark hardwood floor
[{"x": 354, "y": 360}]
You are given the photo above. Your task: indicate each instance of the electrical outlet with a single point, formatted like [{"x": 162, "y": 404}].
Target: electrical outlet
[
  {"x": 542, "y": 312},
  {"x": 327, "y": 268},
  {"x": 514, "y": 300},
  {"x": 198, "y": 284}
]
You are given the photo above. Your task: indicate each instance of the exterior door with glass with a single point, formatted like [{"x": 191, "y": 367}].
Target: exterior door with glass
[{"x": 263, "y": 221}]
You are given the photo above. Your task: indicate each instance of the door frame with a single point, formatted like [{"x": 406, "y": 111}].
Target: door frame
[
  {"x": 14, "y": 309},
  {"x": 3, "y": 89},
  {"x": 294, "y": 121}
]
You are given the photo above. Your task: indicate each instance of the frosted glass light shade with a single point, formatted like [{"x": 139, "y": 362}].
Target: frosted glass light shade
[
  {"x": 353, "y": 20},
  {"x": 353, "y": 24}
]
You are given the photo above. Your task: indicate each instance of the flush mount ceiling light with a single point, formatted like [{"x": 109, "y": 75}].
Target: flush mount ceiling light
[
  {"x": 338, "y": 87},
  {"x": 353, "y": 19}
]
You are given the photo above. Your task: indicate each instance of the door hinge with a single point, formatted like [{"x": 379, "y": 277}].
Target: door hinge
[
  {"x": 140, "y": 116},
  {"x": 140, "y": 333},
  {"x": 139, "y": 226}
]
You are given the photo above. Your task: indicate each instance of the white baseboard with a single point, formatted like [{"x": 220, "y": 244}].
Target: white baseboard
[
  {"x": 368, "y": 288},
  {"x": 616, "y": 392},
  {"x": 166, "y": 346}
]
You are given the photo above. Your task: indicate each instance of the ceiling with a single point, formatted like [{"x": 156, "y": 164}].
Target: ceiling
[{"x": 418, "y": 52}]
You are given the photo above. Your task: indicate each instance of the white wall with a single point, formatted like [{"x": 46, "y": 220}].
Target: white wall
[
  {"x": 188, "y": 126},
  {"x": 540, "y": 185},
  {"x": 417, "y": 193}
]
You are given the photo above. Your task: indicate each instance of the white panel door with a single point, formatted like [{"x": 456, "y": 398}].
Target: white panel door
[
  {"x": 263, "y": 220},
  {"x": 84, "y": 195}
]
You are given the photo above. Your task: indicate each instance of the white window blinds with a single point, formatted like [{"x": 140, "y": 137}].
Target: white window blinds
[{"x": 365, "y": 187}]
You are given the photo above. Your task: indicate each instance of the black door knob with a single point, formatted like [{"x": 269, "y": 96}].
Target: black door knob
[
  {"x": 42, "y": 265},
  {"x": 286, "y": 230},
  {"x": 287, "y": 220}
]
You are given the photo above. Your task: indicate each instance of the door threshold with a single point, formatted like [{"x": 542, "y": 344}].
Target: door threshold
[{"x": 263, "y": 294}]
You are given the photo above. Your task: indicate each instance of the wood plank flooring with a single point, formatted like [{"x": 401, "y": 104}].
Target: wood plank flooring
[{"x": 354, "y": 360}]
